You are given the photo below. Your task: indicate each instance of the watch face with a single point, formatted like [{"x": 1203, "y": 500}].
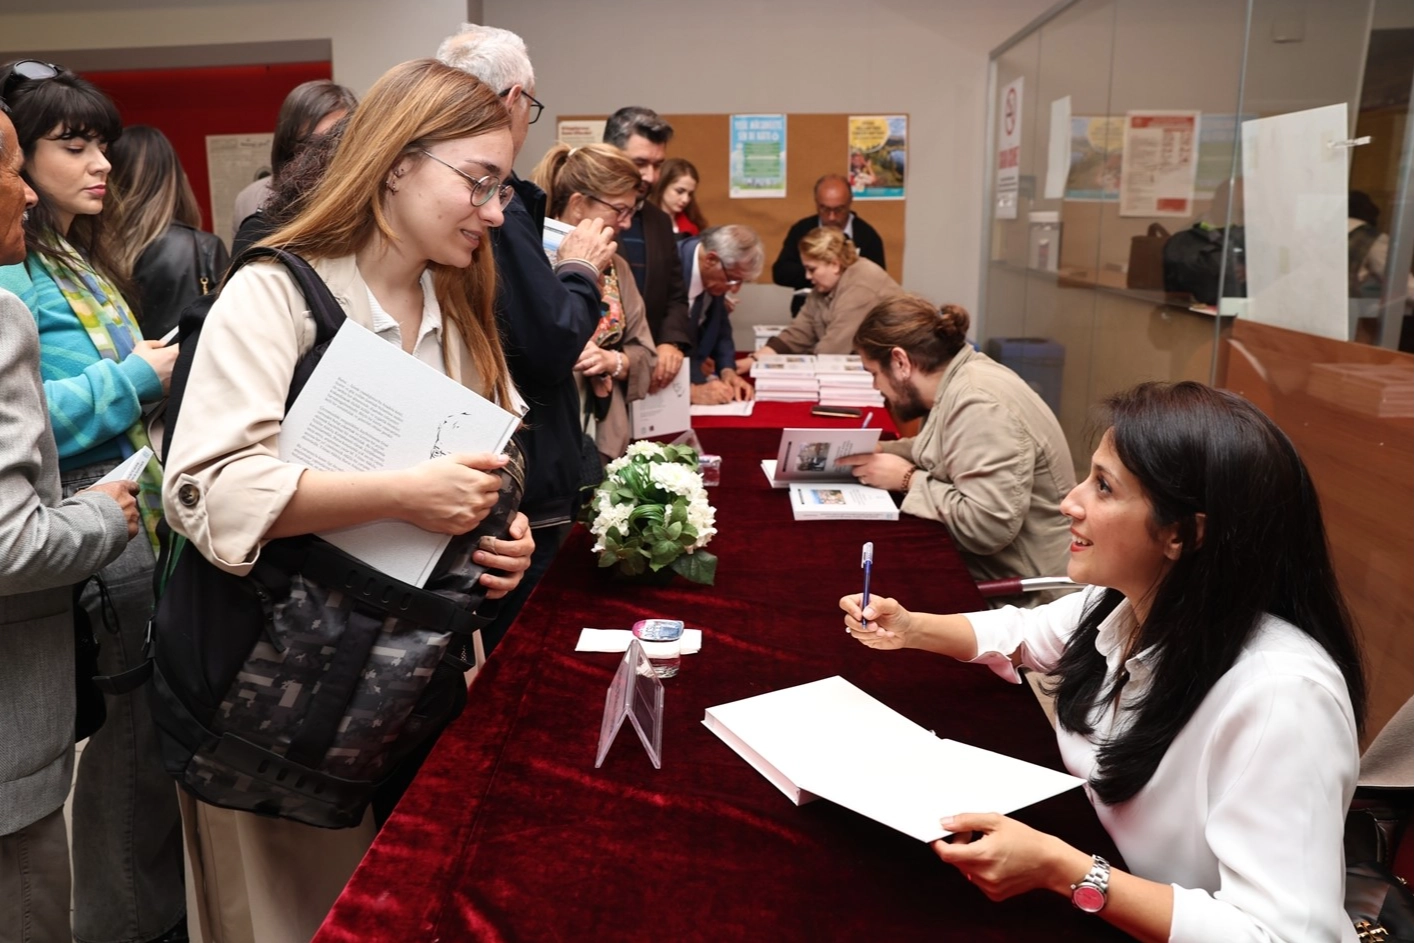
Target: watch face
[{"x": 1089, "y": 898}]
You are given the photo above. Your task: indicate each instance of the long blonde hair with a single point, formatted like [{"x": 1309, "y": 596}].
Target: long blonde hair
[
  {"x": 151, "y": 191},
  {"x": 601, "y": 169},
  {"x": 413, "y": 106}
]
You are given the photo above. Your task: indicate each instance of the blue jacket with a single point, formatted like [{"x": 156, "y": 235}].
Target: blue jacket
[{"x": 711, "y": 323}]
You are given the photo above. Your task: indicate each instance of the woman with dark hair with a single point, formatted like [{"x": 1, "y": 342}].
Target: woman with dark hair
[
  {"x": 99, "y": 375},
  {"x": 673, "y": 193},
  {"x": 158, "y": 240},
  {"x": 1208, "y": 686}
]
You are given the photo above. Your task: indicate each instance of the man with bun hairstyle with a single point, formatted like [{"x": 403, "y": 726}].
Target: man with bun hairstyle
[{"x": 990, "y": 459}]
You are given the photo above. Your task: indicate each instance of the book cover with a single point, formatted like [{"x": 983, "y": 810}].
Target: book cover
[
  {"x": 840, "y": 501},
  {"x": 814, "y": 454}
]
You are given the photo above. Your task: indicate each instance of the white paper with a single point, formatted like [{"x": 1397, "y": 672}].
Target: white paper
[
  {"x": 832, "y": 740},
  {"x": 579, "y": 132},
  {"x": 1294, "y": 214},
  {"x": 617, "y": 640},
  {"x": 815, "y": 454},
  {"x": 1009, "y": 150},
  {"x": 741, "y": 407},
  {"x": 232, "y": 164},
  {"x": 369, "y": 406},
  {"x": 664, "y": 412},
  {"x": 130, "y": 469},
  {"x": 1059, "y": 149},
  {"x": 551, "y": 235},
  {"x": 1160, "y": 159}
]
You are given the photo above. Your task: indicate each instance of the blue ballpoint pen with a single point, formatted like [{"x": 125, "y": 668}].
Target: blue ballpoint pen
[{"x": 867, "y": 561}]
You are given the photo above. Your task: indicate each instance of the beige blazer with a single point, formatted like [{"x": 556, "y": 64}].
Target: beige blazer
[
  {"x": 225, "y": 484},
  {"x": 827, "y": 324}
]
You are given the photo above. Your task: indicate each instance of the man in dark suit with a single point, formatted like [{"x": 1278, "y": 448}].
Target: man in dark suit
[
  {"x": 833, "y": 201},
  {"x": 715, "y": 263},
  {"x": 649, "y": 245}
]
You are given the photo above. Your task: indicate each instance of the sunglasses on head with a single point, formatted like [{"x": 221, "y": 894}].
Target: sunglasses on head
[{"x": 26, "y": 70}]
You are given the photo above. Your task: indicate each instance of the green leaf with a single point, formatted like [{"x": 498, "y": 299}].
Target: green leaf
[
  {"x": 650, "y": 513},
  {"x": 633, "y": 566},
  {"x": 699, "y": 567},
  {"x": 608, "y": 558},
  {"x": 664, "y": 551},
  {"x": 675, "y": 530}
]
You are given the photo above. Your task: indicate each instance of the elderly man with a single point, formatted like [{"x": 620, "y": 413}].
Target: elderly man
[
  {"x": 649, "y": 245},
  {"x": 46, "y": 544},
  {"x": 833, "y": 201},
  {"x": 546, "y": 313},
  {"x": 718, "y": 262}
]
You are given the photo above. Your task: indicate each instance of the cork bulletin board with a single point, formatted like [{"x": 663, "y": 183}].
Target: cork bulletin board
[{"x": 815, "y": 145}]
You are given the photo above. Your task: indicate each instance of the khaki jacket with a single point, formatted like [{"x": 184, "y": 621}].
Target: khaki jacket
[
  {"x": 994, "y": 466},
  {"x": 225, "y": 484},
  {"x": 827, "y": 324}
]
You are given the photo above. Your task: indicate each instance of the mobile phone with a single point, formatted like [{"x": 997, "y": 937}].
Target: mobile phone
[{"x": 837, "y": 412}]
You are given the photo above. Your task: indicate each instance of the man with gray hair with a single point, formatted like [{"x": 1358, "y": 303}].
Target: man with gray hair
[
  {"x": 546, "y": 313},
  {"x": 718, "y": 262},
  {"x": 648, "y": 245}
]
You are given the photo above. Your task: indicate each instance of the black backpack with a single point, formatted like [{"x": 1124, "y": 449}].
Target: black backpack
[
  {"x": 295, "y": 691},
  {"x": 1194, "y": 257}
]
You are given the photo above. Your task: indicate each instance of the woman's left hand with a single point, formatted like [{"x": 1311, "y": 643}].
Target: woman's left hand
[
  {"x": 1008, "y": 858},
  {"x": 595, "y": 360},
  {"x": 511, "y": 555}
]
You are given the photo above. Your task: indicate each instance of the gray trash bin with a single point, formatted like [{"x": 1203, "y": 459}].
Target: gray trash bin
[{"x": 1038, "y": 361}]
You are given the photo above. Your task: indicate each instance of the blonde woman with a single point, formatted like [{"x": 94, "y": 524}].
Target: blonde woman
[
  {"x": 598, "y": 182},
  {"x": 159, "y": 243},
  {"x": 396, "y": 228},
  {"x": 844, "y": 288}
]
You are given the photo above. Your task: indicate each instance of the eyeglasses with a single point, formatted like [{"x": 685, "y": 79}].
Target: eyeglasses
[
  {"x": 27, "y": 70},
  {"x": 625, "y": 213},
  {"x": 482, "y": 188},
  {"x": 732, "y": 283},
  {"x": 535, "y": 106}
]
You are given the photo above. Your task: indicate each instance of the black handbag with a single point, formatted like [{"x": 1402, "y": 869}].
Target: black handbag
[
  {"x": 1378, "y": 902},
  {"x": 90, "y": 711}
]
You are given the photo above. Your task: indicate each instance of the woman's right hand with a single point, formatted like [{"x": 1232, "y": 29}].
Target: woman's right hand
[
  {"x": 451, "y": 494},
  {"x": 160, "y": 358},
  {"x": 888, "y": 622},
  {"x": 592, "y": 241}
]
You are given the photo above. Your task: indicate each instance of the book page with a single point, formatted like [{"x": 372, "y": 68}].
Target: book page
[
  {"x": 814, "y": 454},
  {"x": 665, "y": 412}
]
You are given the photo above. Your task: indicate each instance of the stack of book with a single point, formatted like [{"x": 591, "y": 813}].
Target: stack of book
[
  {"x": 788, "y": 378},
  {"x": 765, "y": 332},
  {"x": 844, "y": 381}
]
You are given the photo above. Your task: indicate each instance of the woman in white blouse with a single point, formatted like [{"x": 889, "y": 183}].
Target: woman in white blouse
[{"x": 1208, "y": 686}]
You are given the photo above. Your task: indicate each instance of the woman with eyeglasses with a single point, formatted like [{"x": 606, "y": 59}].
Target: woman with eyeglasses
[
  {"x": 845, "y": 287},
  {"x": 398, "y": 227},
  {"x": 674, "y": 193},
  {"x": 597, "y": 182},
  {"x": 100, "y": 375}
]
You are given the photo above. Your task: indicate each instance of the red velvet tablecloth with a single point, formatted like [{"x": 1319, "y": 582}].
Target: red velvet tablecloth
[{"x": 510, "y": 833}]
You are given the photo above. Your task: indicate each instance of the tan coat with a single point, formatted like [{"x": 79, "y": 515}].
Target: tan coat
[
  {"x": 827, "y": 324},
  {"x": 612, "y": 433},
  {"x": 994, "y": 466}
]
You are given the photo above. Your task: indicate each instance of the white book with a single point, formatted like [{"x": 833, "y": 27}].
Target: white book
[
  {"x": 369, "y": 406},
  {"x": 784, "y": 363},
  {"x": 765, "y": 332},
  {"x": 665, "y": 412},
  {"x": 740, "y": 407},
  {"x": 841, "y": 501},
  {"x": 815, "y": 454},
  {"x": 829, "y": 739},
  {"x": 130, "y": 469},
  {"x": 551, "y": 235}
]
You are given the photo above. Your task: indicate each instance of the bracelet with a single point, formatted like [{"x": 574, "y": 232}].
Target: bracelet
[
  {"x": 908, "y": 476},
  {"x": 618, "y": 364},
  {"x": 576, "y": 260}
]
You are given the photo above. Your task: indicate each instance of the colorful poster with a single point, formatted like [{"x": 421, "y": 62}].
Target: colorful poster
[
  {"x": 757, "y": 156},
  {"x": 578, "y": 133},
  {"x": 878, "y": 148},
  {"x": 1158, "y": 166},
  {"x": 1096, "y": 147},
  {"x": 1009, "y": 150}
]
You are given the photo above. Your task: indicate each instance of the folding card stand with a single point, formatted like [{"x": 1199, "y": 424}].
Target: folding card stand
[{"x": 635, "y": 693}]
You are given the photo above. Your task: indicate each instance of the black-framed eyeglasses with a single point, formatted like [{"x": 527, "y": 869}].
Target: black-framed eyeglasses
[
  {"x": 26, "y": 70},
  {"x": 625, "y": 213},
  {"x": 482, "y": 187},
  {"x": 535, "y": 106},
  {"x": 731, "y": 281}
]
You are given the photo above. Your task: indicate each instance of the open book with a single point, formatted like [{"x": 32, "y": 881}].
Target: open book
[
  {"x": 829, "y": 739},
  {"x": 814, "y": 454}
]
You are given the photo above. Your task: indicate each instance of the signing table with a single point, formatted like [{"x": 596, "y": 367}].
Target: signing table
[{"x": 510, "y": 833}]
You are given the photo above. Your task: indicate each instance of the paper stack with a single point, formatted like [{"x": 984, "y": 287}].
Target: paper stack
[
  {"x": 765, "y": 332},
  {"x": 786, "y": 378},
  {"x": 844, "y": 381}
]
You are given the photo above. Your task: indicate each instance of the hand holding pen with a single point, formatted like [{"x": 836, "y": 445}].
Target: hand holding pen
[{"x": 867, "y": 562}]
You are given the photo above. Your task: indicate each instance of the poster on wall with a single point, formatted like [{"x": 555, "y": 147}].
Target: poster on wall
[
  {"x": 1009, "y": 150},
  {"x": 1096, "y": 151},
  {"x": 1218, "y": 136},
  {"x": 578, "y": 133},
  {"x": 1158, "y": 164},
  {"x": 878, "y": 149},
  {"x": 756, "y": 156},
  {"x": 233, "y": 162}
]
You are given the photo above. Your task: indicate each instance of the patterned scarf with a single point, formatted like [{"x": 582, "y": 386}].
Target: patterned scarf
[
  {"x": 114, "y": 333},
  {"x": 610, "y": 332}
]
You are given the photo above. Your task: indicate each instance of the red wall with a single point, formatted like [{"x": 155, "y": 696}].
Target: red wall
[{"x": 188, "y": 104}]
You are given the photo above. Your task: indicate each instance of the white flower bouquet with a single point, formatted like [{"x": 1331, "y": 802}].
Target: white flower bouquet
[{"x": 651, "y": 512}]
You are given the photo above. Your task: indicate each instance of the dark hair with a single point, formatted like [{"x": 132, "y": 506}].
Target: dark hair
[
  {"x": 1359, "y": 205},
  {"x": 929, "y": 335},
  {"x": 148, "y": 191},
  {"x": 674, "y": 168},
  {"x": 300, "y": 175},
  {"x": 632, "y": 120},
  {"x": 1196, "y": 450},
  {"x": 77, "y": 109},
  {"x": 303, "y": 109}
]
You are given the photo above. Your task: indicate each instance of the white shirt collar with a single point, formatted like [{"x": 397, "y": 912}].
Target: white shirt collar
[
  {"x": 695, "y": 283},
  {"x": 1111, "y": 638},
  {"x": 849, "y": 226},
  {"x": 385, "y": 326}
]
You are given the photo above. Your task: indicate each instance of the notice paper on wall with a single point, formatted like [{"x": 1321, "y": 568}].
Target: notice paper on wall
[
  {"x": 1059, "y": 148},
  {"x": 1161, "y": 155},
  {"x": 233, "y": 162},
  {"x": 369, "y": 406},
  {"x": 1294, "y": 217},
  {"x": 579, "y": 132},
  {"x": 665, "y": 412},
  {"x": 756, "y": 156},
  {"x": 1009, "y": 150}
]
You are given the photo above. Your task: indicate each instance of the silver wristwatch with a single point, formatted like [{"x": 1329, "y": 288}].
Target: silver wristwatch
[{"x": 1088, "y": 894}]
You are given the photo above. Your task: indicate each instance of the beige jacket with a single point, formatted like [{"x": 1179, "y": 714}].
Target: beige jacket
[
  {"x": 612, "y": 433},
  {"x": 225, "y": 484},
  {"x": 994, "y": 466},
  {"x": 827, "y": 324}
]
